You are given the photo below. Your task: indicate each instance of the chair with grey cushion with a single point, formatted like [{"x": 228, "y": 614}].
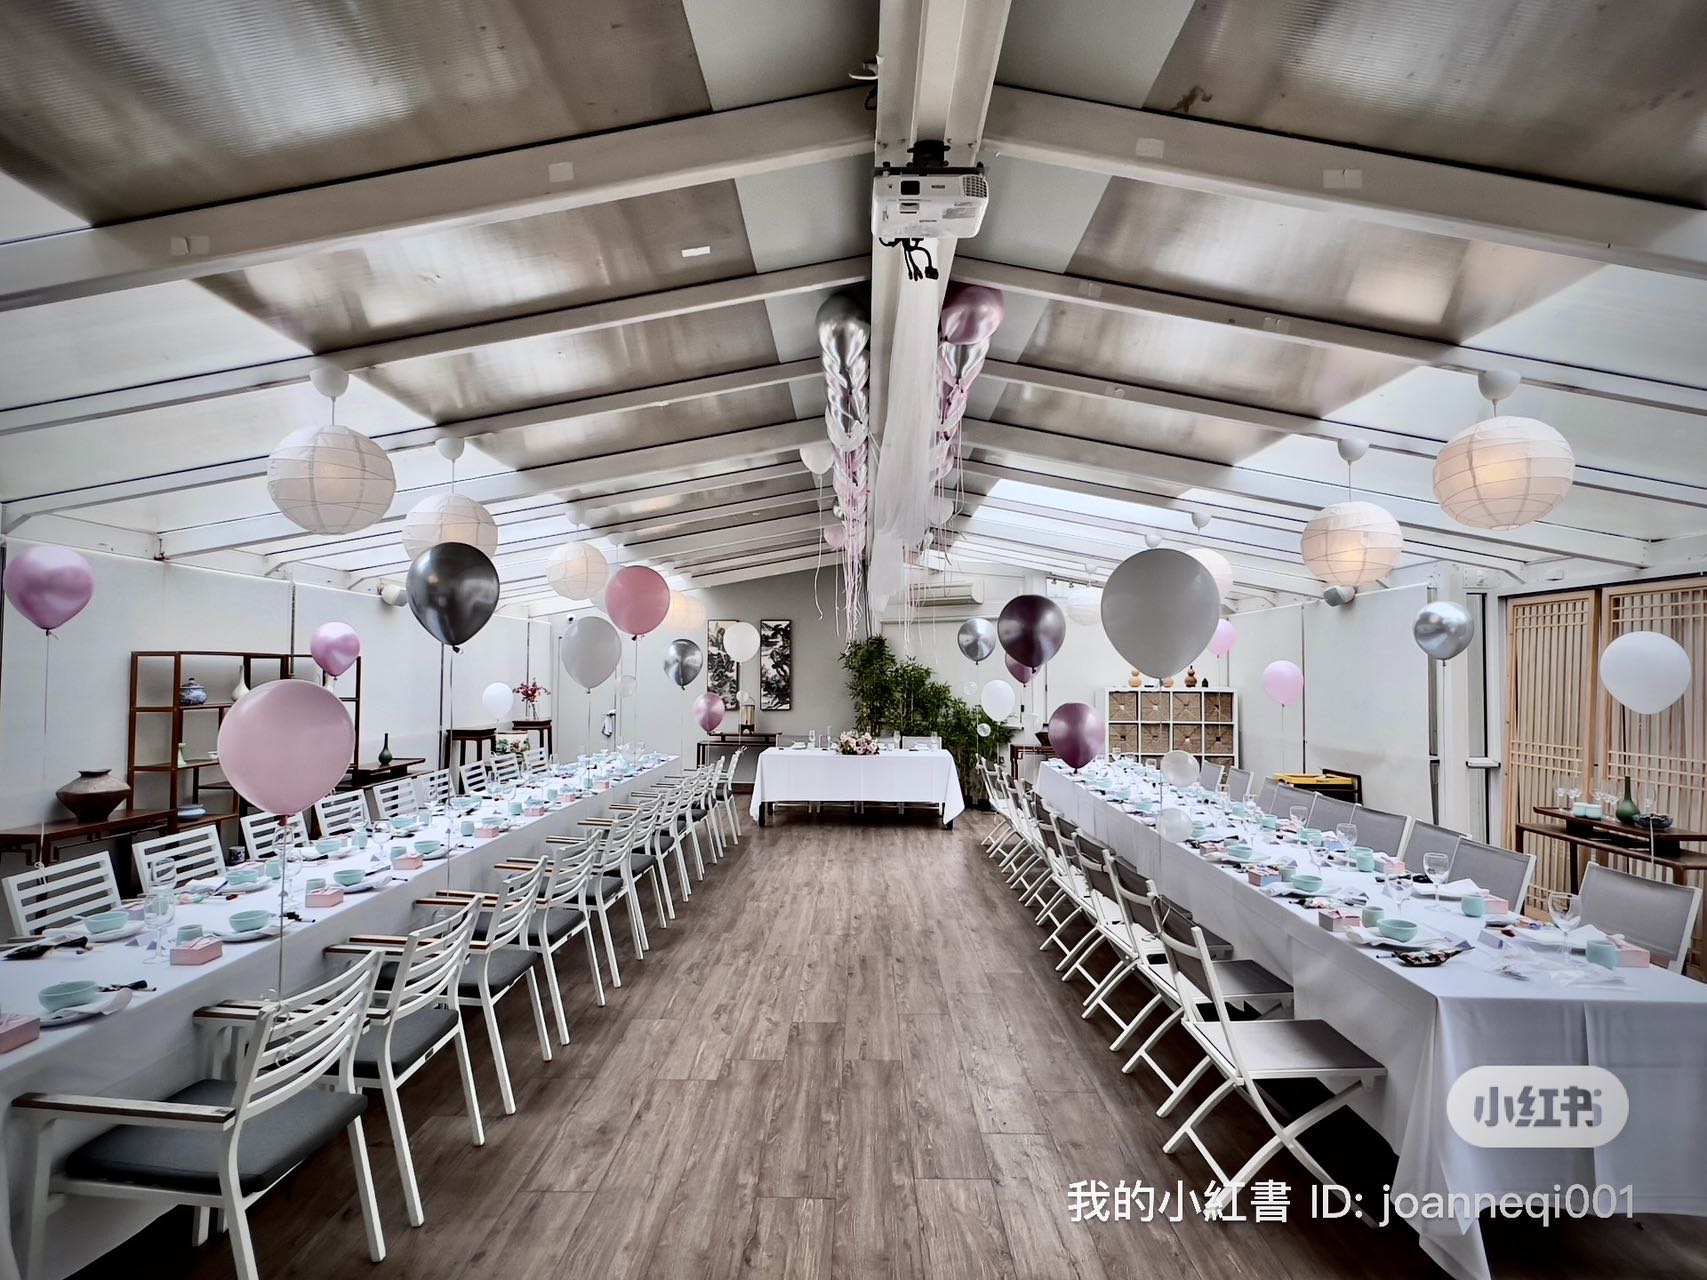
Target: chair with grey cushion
[
  {"x": 414, "y": 1016},
  {"x": 1380, "y": 831},
  {"x": 1498, "y": 871},
  {"x": 220, "y": 1144},
  {"x": 1238, "y": 783},
  {"x": 1209, "y": 777},
  {"x": 1653, "y": 914},
  {"x": 1426, "y": 837},
  {"x": 1268, "y": 795},
  {"x": 1327, "y": 812},
  {"x": 1288, "y": 797},
  {"x": 561, "y": 914}
]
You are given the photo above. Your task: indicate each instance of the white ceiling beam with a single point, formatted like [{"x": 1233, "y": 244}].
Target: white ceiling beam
[
  {"x": 1219, "y": 537},
  {"x": 1248, "y": 582},
  {"x": 1300, "y": 330},
  {"x": 733, "y": 535},
  {"x": 521, "y": 183},
  {"x": 1372, "y": 186},
  {"x": 734, "y": 477},
  {"x": 775, "y": 569},
  {"x": 589, "y": 318},
  {"x": 1307, "y": 496}
]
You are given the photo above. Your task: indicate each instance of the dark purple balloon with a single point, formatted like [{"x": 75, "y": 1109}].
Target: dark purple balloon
[
  {"x": 1022, "y": 674},
  {"x": 1077, "y": 734},
  {"x": 1031, "y": 630}
]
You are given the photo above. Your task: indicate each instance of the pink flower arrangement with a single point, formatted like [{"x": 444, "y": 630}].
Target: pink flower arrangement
[
  {"x": 530, "y": 692},
  {"x": 856, "y": 744}
]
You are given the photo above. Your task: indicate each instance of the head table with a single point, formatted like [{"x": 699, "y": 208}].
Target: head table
[
  {"x": 903, "y": 776},
  {"x": 148, "y": 1049},
  {"x": 1429, "y": 1025}
]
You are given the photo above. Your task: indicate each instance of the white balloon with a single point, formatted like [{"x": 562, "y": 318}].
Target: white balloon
[
  {"x": 1180, "y": 768},
  {"x": 497, "y": 698},
  {"x": 1173, "y": 824},
  {"x": 1645, "y": 671},
  {"x": 741, "y": 641},
  {"x": 997, "y": 699},
  {"x": 970, "y": 689},
  {"x": 818, "y": 456}
]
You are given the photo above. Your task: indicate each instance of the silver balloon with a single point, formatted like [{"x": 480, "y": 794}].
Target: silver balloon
[
  {"x": 683, "y": 661},
  {"x": 976, "y": 638},
  {"x": 590, "y": 650},
  {"x": 1336, "y": 596},
  {"x": 453, "y": 591},
  {"x": 844, "y": 327},
  {"x": 1159, "y": 609},
  {"x": 964, "y": 362},
  {"x": 1443, "y": 630}
]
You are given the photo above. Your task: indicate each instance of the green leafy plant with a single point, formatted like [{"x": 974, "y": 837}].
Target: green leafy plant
[{"x": 901, "y": 695}]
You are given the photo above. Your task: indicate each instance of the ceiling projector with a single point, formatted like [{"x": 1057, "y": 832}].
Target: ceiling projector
[{"x": 918, "y": 202}]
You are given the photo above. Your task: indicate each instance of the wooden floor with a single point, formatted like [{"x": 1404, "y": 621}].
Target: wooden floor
[{"x": 846, "y": 1058}]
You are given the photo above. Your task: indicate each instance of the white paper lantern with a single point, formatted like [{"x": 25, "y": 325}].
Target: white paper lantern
[
  {"x": 576, "y": 570},
  {"x": 1352, "y": 544},
  {"x": 1503, "y": 473},
  {"x": 449, "y": 517},
  {"x": 1217, "y": 564},
  {"x": 686, "y": 616},
  {"x": 1084, "y": 606},
  {"x": 330, "y": 479}
]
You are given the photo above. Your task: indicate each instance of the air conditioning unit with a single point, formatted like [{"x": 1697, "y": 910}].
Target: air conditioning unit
[
  {"x": 921, "y": 203},
  {"x": 950, "y": 593}
]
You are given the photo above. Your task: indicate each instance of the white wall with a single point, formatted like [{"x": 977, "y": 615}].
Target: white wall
[
  {"x": 660, "y": 714},
  {"x": 145, "y": 604}
]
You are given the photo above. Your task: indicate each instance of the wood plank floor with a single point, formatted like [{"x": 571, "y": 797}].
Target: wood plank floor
[{"x": 846, "y": 1058}]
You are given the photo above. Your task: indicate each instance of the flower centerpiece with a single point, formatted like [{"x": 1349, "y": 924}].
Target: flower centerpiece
[
  {"x": 854, "y": 743},
  {"x": 530, "y": 692}
]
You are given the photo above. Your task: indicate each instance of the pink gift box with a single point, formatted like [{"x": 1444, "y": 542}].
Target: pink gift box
[
  {"x": 408, "y": 862},
  {"x": 200, "y": 951},
  {"x": 1390, "y": 866},
  {"x": 1630, "y": 956},
  {"x": 1338, "y": 919},
  {"x": 331, "y": 896},
  {"x": 17, "y": 1030},
  {"x": 535, "y": 811},
  {"x": 1260, "y": 876},
  {"x": 485, "y": 833},
  {"x": 1497, "y": 906}
]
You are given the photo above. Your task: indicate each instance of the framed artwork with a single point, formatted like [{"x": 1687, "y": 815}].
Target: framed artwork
[
  {"x": 722, "y": 673},
  {"x": 776, "y": 665}
]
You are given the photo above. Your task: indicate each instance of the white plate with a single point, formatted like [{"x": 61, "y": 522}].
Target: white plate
[
  {"x": 116, "y": 935},
  {"x": 376, "y": 880},
  {"x": 1422, "y": 942},
  {"x": 248, "y": 935},
  {"x": 110, "y": 1002},
  {"x": 437, "y": 855}
]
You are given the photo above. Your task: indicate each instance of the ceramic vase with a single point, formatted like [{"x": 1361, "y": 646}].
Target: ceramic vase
[
  {"x": 1627, "y": 810},
  {"x": 93, "y": 794},
  {"x": 385, "y": 752},
  {"x": 191, "y": 693}
]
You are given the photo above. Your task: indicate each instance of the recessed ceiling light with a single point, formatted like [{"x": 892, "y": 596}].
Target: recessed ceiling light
[{"x": 697, "y": 251}]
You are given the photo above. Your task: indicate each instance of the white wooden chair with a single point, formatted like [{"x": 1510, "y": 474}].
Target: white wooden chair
[
  {"x": 395, "y": 798},
  {"x": 434, "y": 788},
  {"x": 561, "y": 914},
  {"x": 500, "y": 959},
  {"x": 220, "y": 1144},
  {"x": 613, "y": 883},
  {"x": 506, "y": 770},
  {"x": 261, "y": 833},
  {"x": 535, "y": 761},
  {"x": 475, "y": 778},
  {"x": 726, "y": 793},
  {"x": 1653, "y": 914},
  {"x": 169, "y": 861},
  {"x": 60, "y": 893},
  {"x": 414, "y": 1015},
  {"x": 340, "y": 813}
]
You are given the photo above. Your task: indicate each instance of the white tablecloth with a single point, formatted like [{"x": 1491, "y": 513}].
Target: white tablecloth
[
  {"x": 148, "y": 1049},
  {"x": 1428, "y": 1026},
  {"x": 891, "y": 777}
]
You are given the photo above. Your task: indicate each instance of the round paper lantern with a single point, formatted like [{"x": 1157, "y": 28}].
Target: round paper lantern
[
  {"x": 1503, "y": 473},
  {"x": 1219, "y": 568},
  {"x": 449, "y": 517},
  {"x": 576, "y": 570},
  {"x": 331, "y": 480},
  {"x": 1084, "y": 606},
  {"x": 741, "y": 641},
  {"x": 1352, "y": 544},
  {"x": 686, "y": 614},
  {"x": 1645, "y": 671}
]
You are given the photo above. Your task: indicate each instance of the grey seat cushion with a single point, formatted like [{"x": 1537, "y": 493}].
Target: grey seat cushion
[
  {"x": 410, "y": 1039},
  {"x": 559, "y": 921},
  {"x": 503, "y": 967},
  {"x": 610, "y": 886},
  {"x": 639, "y": 863},
  {"x": 272, "y": 1143}
]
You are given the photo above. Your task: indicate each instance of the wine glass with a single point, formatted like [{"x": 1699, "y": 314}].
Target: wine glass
[
  {"x": 1561, "y": 794},
  {"x": 1650, "y": 803},
  {"x": 1566, "y": 910},
  {"x": 1399, "y": 889},
  {"x": 1299, "y": 813},
  {"x": 1435, "y": 866},
  {"x": 157, "y": 914},
  {"x": 1347, "y": 832},
  {"x": 1575, "y": 793}
]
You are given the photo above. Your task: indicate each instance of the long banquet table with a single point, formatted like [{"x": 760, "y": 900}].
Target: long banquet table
[
  {"x": 1428, "y": 1026},
  {"x": 800, "y": 774},
  {"x": 148, "y": 1049}
]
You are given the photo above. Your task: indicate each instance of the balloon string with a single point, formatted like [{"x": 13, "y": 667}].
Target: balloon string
[{"x": 46, "y": 668}]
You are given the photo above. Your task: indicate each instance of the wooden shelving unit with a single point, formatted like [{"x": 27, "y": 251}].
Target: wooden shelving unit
[
  {"x": 1151, "y": 721},
  {"x": 153, "y": 764}
]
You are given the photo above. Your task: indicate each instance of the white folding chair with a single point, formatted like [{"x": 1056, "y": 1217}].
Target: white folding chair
[
  {"x": 534, "y": 760},
  {"x": 613, "y": 883},
  {"x": 220, "y": 1144},
  {"x": 1380, "y": 831},
  {"x": 61, "y": 893},
  {"x": 261, "y": 834},
  {"x": 1425, "y": 837},
  {"x": 340, "y": 813},
  {"x": 1499, "y": 871},
  {"x": 1653, "y": 914},
  {"x": 475, "y": 778},
  {"x": 169, "y": 861},
  {"x": 395, "y": 798},
  {"x": 413, "y": 1016},
  {"x": 506, "y": 770},
  {"x": 435, "y": 788}
]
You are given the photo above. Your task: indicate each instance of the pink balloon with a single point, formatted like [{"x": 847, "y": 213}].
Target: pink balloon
[
  {"x": 1282, "y": 681},
  {"x": 836, "y": 537},
  {"x": 636, "y": 599},
  {"x": 1077, "y": 734},
  {"x": 49, "y": 585},
  {"x": 1221, "y": 643},
  {"x": 708, "y": 710},
  {"x": 335, "y": 646},
  {"x": 971, "y": 313},
  {"x": 286, "y": 744},
  {"x": 1018, "y": 672}
]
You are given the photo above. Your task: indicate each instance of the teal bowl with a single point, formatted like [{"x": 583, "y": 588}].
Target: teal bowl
[
  {"x": 349, "y": 876},
  {"x": 1239, "y": 850},
  {"x": 1397, "y": 930},
  {"x": 1306, "y": 882},
  {"x": 426, "y": 847},
  {"x": 329, "y": 844},
  {"x": 62, "y": 995},
  {"x": 244, "y": 875},
  {"x": 1288, "y": 872},
  {"x": 249, "y": 921},
  {"x": 106, "y": 921}
]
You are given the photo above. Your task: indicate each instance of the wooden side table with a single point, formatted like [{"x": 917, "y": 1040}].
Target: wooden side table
[
  {"x": 540, "y": 725},
  {"x": 482, "y": 740},
  {"x": 40, "y": 842}
]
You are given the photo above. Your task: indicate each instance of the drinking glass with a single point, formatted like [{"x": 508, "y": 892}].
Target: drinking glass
[
  {"x": 1298, "y": 814},
  {"x": 158, "y": 913},
  {"x": 1566, "y": 910},
  {"x": 1650, "y": 803},
  {"x": 1561, "y": 793},
  {"x": 1575, "y": 793},
  {"x": 1435, "y": 867},
  {"x": 1347, "y": 831},
  {"x": 1399, "y": 890}
]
